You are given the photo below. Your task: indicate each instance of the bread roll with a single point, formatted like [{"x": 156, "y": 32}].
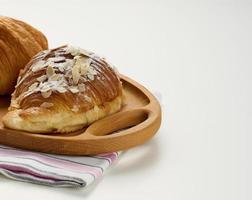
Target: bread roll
[
  {"x": 63, "y": 90},
  {"x": 19, "y": 42}
]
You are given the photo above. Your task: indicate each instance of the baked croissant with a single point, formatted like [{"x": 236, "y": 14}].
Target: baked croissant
[
  {"x": 63, "y": 90},
  {"x": 19, "y": 42}
]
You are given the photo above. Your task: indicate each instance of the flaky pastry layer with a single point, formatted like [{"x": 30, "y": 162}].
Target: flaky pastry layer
[
  {"x": 42, "y": 120},
  {"x": 19, "y": 42}
]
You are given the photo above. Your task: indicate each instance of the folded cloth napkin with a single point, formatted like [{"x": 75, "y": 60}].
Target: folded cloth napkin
[{"x": 53, "y": 170}]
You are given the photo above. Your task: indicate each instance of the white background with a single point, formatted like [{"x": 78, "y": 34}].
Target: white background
[{"x": 197, "y": 54}]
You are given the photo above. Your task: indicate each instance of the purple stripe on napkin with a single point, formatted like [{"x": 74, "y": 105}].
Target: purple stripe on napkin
[{"x": 53, "y": 170}]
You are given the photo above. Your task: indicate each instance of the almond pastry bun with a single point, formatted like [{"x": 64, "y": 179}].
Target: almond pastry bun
[{"x": 63, "y": 90}]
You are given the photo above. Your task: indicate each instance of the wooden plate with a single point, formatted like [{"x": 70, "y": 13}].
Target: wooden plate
[{"x": 137, "y": 122}]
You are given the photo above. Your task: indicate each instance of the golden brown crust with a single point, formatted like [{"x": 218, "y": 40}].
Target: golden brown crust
[
  {"x": 68, "y": 82},
  {"x": 43, "y": 120},
  {"x": 18, "y": 43}
]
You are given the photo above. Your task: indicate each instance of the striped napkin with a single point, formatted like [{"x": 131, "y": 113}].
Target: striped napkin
[{"x": 53, "y": 170}]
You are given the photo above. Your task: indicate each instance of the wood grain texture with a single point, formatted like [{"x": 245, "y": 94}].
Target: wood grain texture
[{"x": 137, "y": 122}]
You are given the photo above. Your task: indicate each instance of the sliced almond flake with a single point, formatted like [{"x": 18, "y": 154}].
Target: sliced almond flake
[
  {"x": 39, "y": 54},
  {"x": 38, "y": 65},
  {"x": 46, "y": 105},
  {"x": 76, "y": 77},
  {"x": 77, "y": 57},
  {"x": 42, "y": 54},
  {"x": 91, "y": 70},
  {"x": 42, "y": 78},
  {"x": 63, "y": 84},
  {"x": 81, "y": 65},
  {"x": 91, "y": 73},
  {"x": 86, "y": 52},
  {"x": 54, "y": 77},
  {"x": 68, "y": 67},
  {"x": 46, "y": 94},
  {"x": 81, "y": 87},
  {"x": 49, "y": 71},
  {"x": 18, "y": 81},
  {"x": 61, "y": 89},
  {"x": 68, "y": 63},
  {"x": 56, "y": 59},
  {"x": 58, "y": 65},
  {"x": 85, "y": 67},
  {"x": 19, "y": 78},
  {"x": 68, "y": 74},
  {"x": 61, "y": 68},
  {"x": 76, "y": 73},
  {"x": 27, "y": 93},
  {"x": 24, "y": 77},
  {"x": 33, "y": 86},
  {"x": 51, "y": 84},
  {"x": 40, "y": 85},
  {"x": 49, "y": 62},
  {"x": 44, "y": 88},
  {"x": 79, "y": 60},
  {"x": 74, "y": 89},
  {"x": 90, "y": 76},
  {"x": 62, "y": 77},
  {"x": 72, "y": 50},
  {"x": 70, "y": 81},
  {"x": 75, "y": 108}
]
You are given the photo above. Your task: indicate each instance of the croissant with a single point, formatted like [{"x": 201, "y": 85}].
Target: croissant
[
  {"x": 19, "y": 42},
  {"x": 63, "y": 90}
]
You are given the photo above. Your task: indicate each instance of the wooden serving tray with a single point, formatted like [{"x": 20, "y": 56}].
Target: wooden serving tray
[{"x": 137, "y": 122}]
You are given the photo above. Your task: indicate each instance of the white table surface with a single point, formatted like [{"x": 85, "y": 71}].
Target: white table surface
[{"x": 197, "y": 54}]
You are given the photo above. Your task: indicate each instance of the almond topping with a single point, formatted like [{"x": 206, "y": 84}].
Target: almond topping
[
  {"x": 54, "y": 77},
  {"x": 74, "y": 89},
  {"x": 38, "y": 65},
  {"x": 42, "y": 78},
  {"x": 56, "y": 59},
  {"x": 73, "y": 50},
  {"x": 90, "y": 76},
  {"x": 61, "y": 89},
  {"x": 61, "y": 68},
  {"x": 33, "y": 86},
  {"x": 76, "y": 73},
  {"x": 19, "y": 78},
  {"x": 49, "y": 71},
  {"x": 46, "y": 94},
  {"x": 44, "y": 88},
  {"x": 68, "y": 64}
]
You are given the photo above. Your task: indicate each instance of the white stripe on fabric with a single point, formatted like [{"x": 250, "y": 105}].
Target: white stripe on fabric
[{"x": 48, "y": 170}]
